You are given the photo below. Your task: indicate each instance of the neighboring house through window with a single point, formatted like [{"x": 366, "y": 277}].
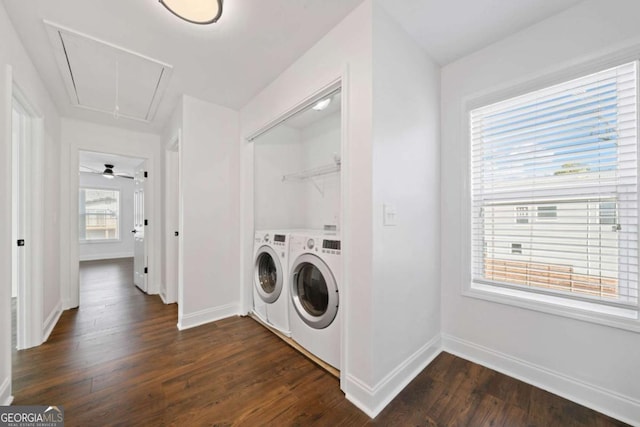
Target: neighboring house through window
[{"x": 99, "y": 214}]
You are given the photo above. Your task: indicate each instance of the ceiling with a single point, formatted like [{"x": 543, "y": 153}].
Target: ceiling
[
  {"x": 226, "y": 63},
  {"x": 90, "y": 160},
  {"x": 451, "y": 29},
  {"x": 229, "y": 62}
]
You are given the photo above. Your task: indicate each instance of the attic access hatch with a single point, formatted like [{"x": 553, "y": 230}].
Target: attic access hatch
[{"x": 101, "y": 76}]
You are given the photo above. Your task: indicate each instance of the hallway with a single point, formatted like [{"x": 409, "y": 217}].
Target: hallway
[{"x": 119, "y": 359}]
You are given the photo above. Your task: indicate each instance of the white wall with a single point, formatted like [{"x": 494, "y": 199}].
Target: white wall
[
  {"x": 285, "y": 150},
  {"x": 406, "y": 176},
  {"x": 278, "y": 204},
  {"x": 344, "y": 52},
  {"x": 123, "y": 247},
  {"x": 26, "y": 77},
  {"x": 210, "y": 223},
  {"x": 591, "y": 364},
  {"x": 84, "y": 136},
  {"x": 320, "y": 141},
  {"x": 390, "y": 286}
]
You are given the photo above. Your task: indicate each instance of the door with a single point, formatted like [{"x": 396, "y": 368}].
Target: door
[
  {"x": 139, "y": 249},
  {"x": 19, "y": 270},
  {"x": 314, "y": 291},
  {"x": 268, "y": 270}
]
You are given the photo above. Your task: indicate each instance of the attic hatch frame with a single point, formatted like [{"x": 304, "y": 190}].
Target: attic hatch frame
[{"x": 56, "y": 34}]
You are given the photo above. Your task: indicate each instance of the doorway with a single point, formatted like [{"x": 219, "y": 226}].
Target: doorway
[
  {"x": 172, "y": 290},
  {"x": 111, "y": 213},
  {"x": 27, "y": 222}
]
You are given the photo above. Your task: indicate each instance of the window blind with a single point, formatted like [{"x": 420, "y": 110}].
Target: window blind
[{"x": 554, "y": 189}]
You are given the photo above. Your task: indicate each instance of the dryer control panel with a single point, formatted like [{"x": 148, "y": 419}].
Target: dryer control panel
[{"x": 331, "y": 247}]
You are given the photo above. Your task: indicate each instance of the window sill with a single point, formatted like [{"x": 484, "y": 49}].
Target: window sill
[
  {"x": 621, "y": 318},
  {"x": 93, "y": 242}
]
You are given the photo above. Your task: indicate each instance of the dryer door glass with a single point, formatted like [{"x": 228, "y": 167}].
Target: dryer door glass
[
  {"x": 312, "y": 290},
  {"x": 267, "y": 273}
]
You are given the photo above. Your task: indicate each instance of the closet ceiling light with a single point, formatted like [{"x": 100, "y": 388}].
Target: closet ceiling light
[
  {"x": 322, "y": 104},
  {"x": 195, "y": 11}
]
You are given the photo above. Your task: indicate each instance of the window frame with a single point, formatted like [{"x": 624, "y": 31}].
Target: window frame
[
  {"x": 626, "y": 319},
  {"x": 84, "y": 241}
]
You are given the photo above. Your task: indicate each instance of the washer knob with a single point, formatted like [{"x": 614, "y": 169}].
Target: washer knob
[
  {"x": 266, "y": 237},
  {"x": 311, "y": 243}
]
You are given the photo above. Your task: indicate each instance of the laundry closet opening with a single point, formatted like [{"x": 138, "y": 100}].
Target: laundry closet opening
[{"x": 297, "y": 222}]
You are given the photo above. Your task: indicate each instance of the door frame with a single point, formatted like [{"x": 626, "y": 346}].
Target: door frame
[
  {"x": 71, "y": 287},
  {"x": 30, "y": 327},
  {"x": 140, "y": 179},
  {"x": 173, "y": 261}
]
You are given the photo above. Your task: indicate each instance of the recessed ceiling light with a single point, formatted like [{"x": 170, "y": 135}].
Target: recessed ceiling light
[
  {"x": 195, "y": 11},
  {"x": 322, "y": 104}
]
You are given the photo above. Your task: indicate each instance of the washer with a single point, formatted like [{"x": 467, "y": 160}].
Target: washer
[
  {"x": 270, "y": 283},
  {"x": 314, "y": 273}
]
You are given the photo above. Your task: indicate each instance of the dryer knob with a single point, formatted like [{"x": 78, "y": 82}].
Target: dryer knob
[
  {"x": 311, "y": 243},
  {"x": 266, "y": 237}
]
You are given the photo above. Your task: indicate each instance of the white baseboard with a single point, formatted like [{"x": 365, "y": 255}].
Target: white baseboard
[
  {"x": 372, "y": 400},
  {"x": 5, "y": 393},
  {"x": 51, "y": 321},
  {"x": 616, "y": 405},
  {"x": 98, "y": 257},
  {"x": 163, "y": 297},
  {"x": 191, "y": 320}
]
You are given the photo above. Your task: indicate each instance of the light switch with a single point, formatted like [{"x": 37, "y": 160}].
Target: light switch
[{"x": 389, "y": 215}]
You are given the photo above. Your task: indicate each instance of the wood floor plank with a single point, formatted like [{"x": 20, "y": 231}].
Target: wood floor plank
[{"x": 120, "y": 360}]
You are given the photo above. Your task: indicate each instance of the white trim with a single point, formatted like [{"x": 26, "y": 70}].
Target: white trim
[
  {"x": 208, "y": 315},
  {"x": 70, "y": 275},
  {"x": 55, "y": 31},
  {"x": 163, "y": 297},
  {"x": 611, "y": 403},
  {"x": 30, "y": 293},
  {"x": 571, "y": 310},
  {"x": 172, "y": 265},
  {"x": 51, "y": 321},
  {"x": 333, "y": 86},
  {"x": 372, "y": 400},
  {"x": 6, "y": 231},
  {"x": 5, "y": 393},
  {"x": 114, "y": 255}
]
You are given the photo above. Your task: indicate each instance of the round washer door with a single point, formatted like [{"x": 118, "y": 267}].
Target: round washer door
[
  {"x": 268, "y": 274},
  {"x": 314, "y": 291}
]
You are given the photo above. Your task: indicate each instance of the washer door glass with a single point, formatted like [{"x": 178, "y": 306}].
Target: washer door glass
[
  {"x": 314, "y": 291},
  {"x": 268, "y": 274}
]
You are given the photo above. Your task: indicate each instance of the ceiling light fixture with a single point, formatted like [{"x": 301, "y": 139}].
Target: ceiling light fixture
[
  {"x": 108, "y": 171},
  {"x": 322, "y": 104},
  {"x": 195, "y": 11}
]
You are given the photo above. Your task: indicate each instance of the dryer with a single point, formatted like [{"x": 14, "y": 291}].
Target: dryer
[
  {"x": 270, "y": 279},
  {"x": 314, "y": 274}
]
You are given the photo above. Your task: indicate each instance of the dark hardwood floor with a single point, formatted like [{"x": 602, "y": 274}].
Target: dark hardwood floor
[{"x": 120, "y": 360}]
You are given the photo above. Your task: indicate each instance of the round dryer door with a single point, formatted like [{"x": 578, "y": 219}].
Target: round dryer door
[
  {"x": 268, "y": 274},
  {"x": 314, "y": 291}
]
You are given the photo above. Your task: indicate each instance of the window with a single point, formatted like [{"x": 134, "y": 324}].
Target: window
[
  {"x": 563, "y": 159},
  {"x": 99, "y": 214},
  {"x": 608, "y": 213},
  {"x": 522, "y": 214},
  {"x": 547, "y": 212}
]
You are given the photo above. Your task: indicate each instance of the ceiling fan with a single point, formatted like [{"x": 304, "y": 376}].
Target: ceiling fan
[{"x": 107, "y": 173}]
